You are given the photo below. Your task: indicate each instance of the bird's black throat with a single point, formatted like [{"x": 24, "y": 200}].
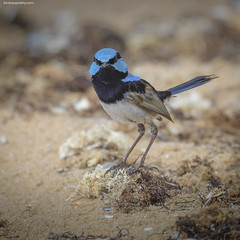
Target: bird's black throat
[
  {"x": 109, "y": 87},
  {"x": 109, "y": 75}
]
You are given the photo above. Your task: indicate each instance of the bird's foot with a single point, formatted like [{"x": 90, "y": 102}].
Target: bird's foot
[
  {"x": 135, "y": 169},
  {"x": 130, "y": 168},
  {"x": 115, "y": 168}
]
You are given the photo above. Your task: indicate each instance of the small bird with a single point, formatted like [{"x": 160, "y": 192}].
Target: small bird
[{"x": 126, "y": 97}]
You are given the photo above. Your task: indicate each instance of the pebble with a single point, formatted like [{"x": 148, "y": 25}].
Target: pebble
[
  {"x": 147, "y": 229},
  {"x": 4, "y": 140},
  {"x": 107, "y": 208},
  {"x": 82, "y": 104}
]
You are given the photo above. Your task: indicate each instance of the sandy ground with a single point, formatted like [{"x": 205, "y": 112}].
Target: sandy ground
[{"x": 200, "y": 153}]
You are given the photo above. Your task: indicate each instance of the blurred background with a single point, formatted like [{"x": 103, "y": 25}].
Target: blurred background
[{"x": 46, "y": 48}]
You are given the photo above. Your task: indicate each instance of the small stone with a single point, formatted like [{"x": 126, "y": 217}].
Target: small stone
[
  {"x": 59, "y": 110},
  {"x": 82, "y": 105},
  {"x": 107, "y": 208},
  {"x": 4, "y": 140},
  {"x": 147, "y": 229}
]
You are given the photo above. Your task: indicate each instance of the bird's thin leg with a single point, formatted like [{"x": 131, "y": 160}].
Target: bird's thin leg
[
  {"x": 141, "y": 130},
  {"x": 154, "y": 131}
]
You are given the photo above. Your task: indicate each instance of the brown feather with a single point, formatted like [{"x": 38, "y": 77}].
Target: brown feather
[{"x": 149, "y": 101}]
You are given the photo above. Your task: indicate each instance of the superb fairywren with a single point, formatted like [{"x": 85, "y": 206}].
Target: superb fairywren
[{"x": 126, "y": 97}]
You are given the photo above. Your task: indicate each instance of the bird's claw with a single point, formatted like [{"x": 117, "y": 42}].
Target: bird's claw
[
  {"x": 131, "y": 169},
  {"x": 135, "y": 169},
  {"x": 121, "y": 165}
]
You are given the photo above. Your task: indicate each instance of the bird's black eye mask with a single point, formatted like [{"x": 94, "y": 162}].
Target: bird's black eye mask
[
  {"x": 99, "y": 63},
  {"x": 115, "y": 59}
]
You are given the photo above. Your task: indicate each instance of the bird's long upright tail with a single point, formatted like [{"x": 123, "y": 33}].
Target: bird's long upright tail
[{"x": 195, "y": 82}]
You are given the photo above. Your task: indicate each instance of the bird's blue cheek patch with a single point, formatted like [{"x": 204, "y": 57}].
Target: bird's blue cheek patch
[
  {"x": 94, "y": 69},
  {"x": 120, "y": 65},
  {"x": 131, "y": 78}
]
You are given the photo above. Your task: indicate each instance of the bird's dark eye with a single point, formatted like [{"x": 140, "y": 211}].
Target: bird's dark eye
[
  {"x": 113, "y": 60},
  {"x": 99, "y": 63}
]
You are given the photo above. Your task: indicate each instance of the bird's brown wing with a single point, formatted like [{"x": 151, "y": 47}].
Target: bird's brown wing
[{"x": 149, "y": 101}]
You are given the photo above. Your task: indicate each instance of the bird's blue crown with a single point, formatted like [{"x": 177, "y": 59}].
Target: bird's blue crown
[{"x": 105, "y": 54}]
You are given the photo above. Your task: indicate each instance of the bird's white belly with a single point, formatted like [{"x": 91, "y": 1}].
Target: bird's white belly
[{"x": 125, "y": 111}]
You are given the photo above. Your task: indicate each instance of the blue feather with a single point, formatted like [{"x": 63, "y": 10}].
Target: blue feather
[
  {"x": 105, "y": 54},
  {"x": 195, "y": 82},
  {"x": 131, "y": 78},
  {"x": 121, "y": 66},
  {"x": 94, "y": 69}
]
